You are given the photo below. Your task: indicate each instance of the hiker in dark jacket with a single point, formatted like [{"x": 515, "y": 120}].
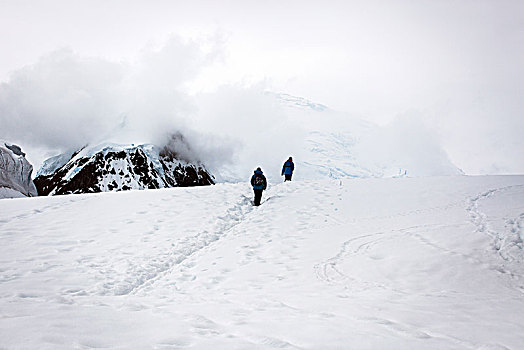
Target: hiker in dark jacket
[
  {"x": 287, "y": 169},
  {"x": 259, "y": 183}
]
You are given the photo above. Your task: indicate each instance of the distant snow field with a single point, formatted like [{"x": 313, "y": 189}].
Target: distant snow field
[{"x": 398, "y": 263}]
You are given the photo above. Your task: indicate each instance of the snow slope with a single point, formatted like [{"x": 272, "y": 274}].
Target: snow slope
[
  {"x": 340, "y": 145},
  {"x": 399, "y": 263}
]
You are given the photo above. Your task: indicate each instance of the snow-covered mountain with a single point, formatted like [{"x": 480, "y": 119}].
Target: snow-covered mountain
[
  {"x": 341, "y": 145},
  {"x": 113, "y": 167},
  {"x": 15, "y": 173},
  {"x": 396, "y": 263}
]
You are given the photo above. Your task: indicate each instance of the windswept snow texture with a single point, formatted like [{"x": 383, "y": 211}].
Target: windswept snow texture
[
  {"x": 398, "y": 263},
  {"x": 15, "y": 173},
  {"x": 112, "y": 167}
]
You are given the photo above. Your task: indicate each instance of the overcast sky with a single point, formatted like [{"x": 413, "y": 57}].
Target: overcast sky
[{"x": 456, "y": 64}]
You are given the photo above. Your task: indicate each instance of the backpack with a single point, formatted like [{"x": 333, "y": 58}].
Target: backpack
[{"x": 259, "y": 181}]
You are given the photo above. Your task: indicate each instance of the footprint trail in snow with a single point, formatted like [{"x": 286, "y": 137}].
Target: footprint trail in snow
[{"x": 395, "y": 263}]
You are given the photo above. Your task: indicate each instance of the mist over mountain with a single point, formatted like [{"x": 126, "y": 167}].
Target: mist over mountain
[{"x": 66, "y": 101}]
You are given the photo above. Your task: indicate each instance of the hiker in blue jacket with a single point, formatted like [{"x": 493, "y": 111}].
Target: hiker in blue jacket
[
  {"x": 259, "y": 183},
  {"x": 287, "y": 169}
]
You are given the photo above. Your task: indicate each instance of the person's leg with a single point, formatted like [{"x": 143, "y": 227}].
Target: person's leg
[
  {"x": 258, "y": 196},
  {"x": 288, "y": 177}
]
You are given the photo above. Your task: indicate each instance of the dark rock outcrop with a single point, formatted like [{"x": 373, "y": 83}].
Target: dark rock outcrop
[{"x": 113, "y": 167}]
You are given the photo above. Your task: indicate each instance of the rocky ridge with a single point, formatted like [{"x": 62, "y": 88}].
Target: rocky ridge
[{"x": 112, "y": 167}]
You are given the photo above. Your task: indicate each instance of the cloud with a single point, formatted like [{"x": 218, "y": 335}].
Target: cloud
[
  {"x": 407, "y": 144},
  {"x": 459, "y": 62},
  {"x": 261, "y": 130},
  {"x": 62, "y": 101},
  {"x": 65, "y": 100}
]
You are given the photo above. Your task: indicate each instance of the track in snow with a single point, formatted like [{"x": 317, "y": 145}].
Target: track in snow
[
  {"x": 142, "y": 277},
  {"x": 320, "y": 264},
  {"x": 507, "y": 242}
]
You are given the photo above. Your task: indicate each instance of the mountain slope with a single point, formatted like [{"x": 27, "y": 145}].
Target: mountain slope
[{"x": 426, "y": 263}]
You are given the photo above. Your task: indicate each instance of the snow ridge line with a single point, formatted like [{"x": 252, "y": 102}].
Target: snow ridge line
[{"x": 143, "y": 277}]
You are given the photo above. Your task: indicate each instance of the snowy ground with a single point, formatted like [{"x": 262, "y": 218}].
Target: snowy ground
[{"x": 408, "y": 263}]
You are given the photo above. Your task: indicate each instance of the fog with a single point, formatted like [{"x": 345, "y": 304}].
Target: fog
[
  {"x": 83, "y": 72},
  {"x": 408, "y": 143},
  {"x": 65, "y": 101}
]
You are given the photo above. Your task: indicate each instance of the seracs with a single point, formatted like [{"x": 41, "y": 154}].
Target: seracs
[{"x": 15, "y": 173}]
